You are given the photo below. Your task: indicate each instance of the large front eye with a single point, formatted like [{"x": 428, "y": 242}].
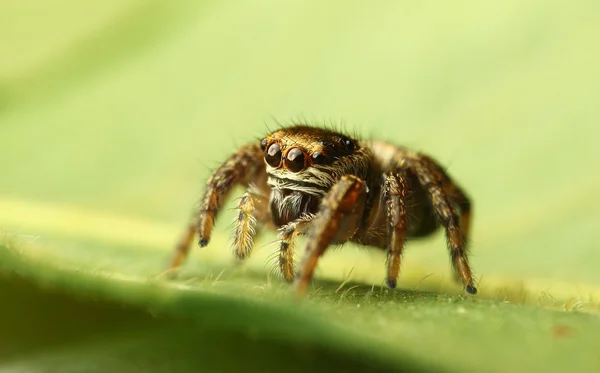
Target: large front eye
[
  {"x": 273, "y": 156},
  {"x": 294, "y": 161}
]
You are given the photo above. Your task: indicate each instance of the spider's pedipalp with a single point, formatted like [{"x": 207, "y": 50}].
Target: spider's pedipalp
[{"x": 245, "y": 227}]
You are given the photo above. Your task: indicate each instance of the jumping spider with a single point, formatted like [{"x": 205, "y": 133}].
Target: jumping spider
[{"x": 304, "y": 180}]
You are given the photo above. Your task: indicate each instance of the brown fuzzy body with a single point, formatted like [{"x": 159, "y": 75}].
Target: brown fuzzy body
[{"x": 310, "y": 181}]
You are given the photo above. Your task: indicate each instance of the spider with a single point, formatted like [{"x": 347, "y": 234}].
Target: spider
[{"x": 304, "y": 180}]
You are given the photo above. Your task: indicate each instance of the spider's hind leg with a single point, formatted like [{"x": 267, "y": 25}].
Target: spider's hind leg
[
  {"x": 460, "y": 199},
  {"x": 444, "y": 195},
  {"x": 464, "y": 204}
]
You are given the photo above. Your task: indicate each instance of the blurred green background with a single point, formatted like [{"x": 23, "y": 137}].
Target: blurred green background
[{"x": 112, "y": 115}]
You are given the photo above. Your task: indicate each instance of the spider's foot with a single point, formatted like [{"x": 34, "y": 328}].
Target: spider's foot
[
  {"x": 391, "y": 283},
  {"x": 203, "y": 242},
  {"x": 471, "y": 289}
]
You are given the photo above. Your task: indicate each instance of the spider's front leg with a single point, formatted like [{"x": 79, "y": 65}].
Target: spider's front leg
[
  {"x": 337, "y": 221},
  {"x": 239, "y": 168}
]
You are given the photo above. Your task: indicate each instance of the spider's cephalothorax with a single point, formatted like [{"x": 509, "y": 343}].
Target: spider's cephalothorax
[
  {"x": 334, "y": 189},
  {"x": 302, "y": 164}
]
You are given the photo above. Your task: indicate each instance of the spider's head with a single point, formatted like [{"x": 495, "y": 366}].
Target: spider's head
[{"x": 310, "y": 159}]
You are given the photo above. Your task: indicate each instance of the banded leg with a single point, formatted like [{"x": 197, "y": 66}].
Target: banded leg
[
  {"x": 342, "y": 208},
  {"x": 395, "y": 189},
  {"x": 459, "y": 198},
  {"x": 432, "y": 178},
  {"x": 239, "y": 168},
  {"x": 245, "y": 227},
  {"x": 288, "y": 234},
  {"x": 464, "y": 204}
]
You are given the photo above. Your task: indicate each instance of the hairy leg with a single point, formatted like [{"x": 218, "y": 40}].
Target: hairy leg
[
  {"x": 345, "y": 200},
  {"x": 395, "y": 189},
  {"x": 464, "y": 204},
  {"x": 433, "y": 179},
  {"x": 245, "y": 227},
  {"x": 239, "y": 168},
  {"x": 288, "y": 234},
  {"x": 458, "y": 197}
]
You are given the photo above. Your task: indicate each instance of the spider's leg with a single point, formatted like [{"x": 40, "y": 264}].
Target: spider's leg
[
  {"x": 337, "y": 220},
  {"x": 288, "y": 234},
  {"x": 432, "y": 178},
  {"x": 459, "y": 197},
  {"x": 395, "y": 189},
  {"x": 239, "y": 168}
]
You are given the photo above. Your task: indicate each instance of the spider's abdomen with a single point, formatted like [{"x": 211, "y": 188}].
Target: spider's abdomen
[{"x": 288, "y": 205}]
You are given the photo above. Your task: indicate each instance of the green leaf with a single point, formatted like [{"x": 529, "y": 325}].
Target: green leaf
[{"x": 111, "y": 118}]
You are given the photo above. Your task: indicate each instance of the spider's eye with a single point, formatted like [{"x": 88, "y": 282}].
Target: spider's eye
[
  {"x": 348, "y": 144},
  {"x": 263, "y": 144},
  {"x": 294, "y": 161},
  {"x": 273, "y": 156},
  {"x": 318, "y": 158}
]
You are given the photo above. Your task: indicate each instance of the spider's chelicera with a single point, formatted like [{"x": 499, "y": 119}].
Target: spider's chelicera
[{"x": 304, "y": 180}]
